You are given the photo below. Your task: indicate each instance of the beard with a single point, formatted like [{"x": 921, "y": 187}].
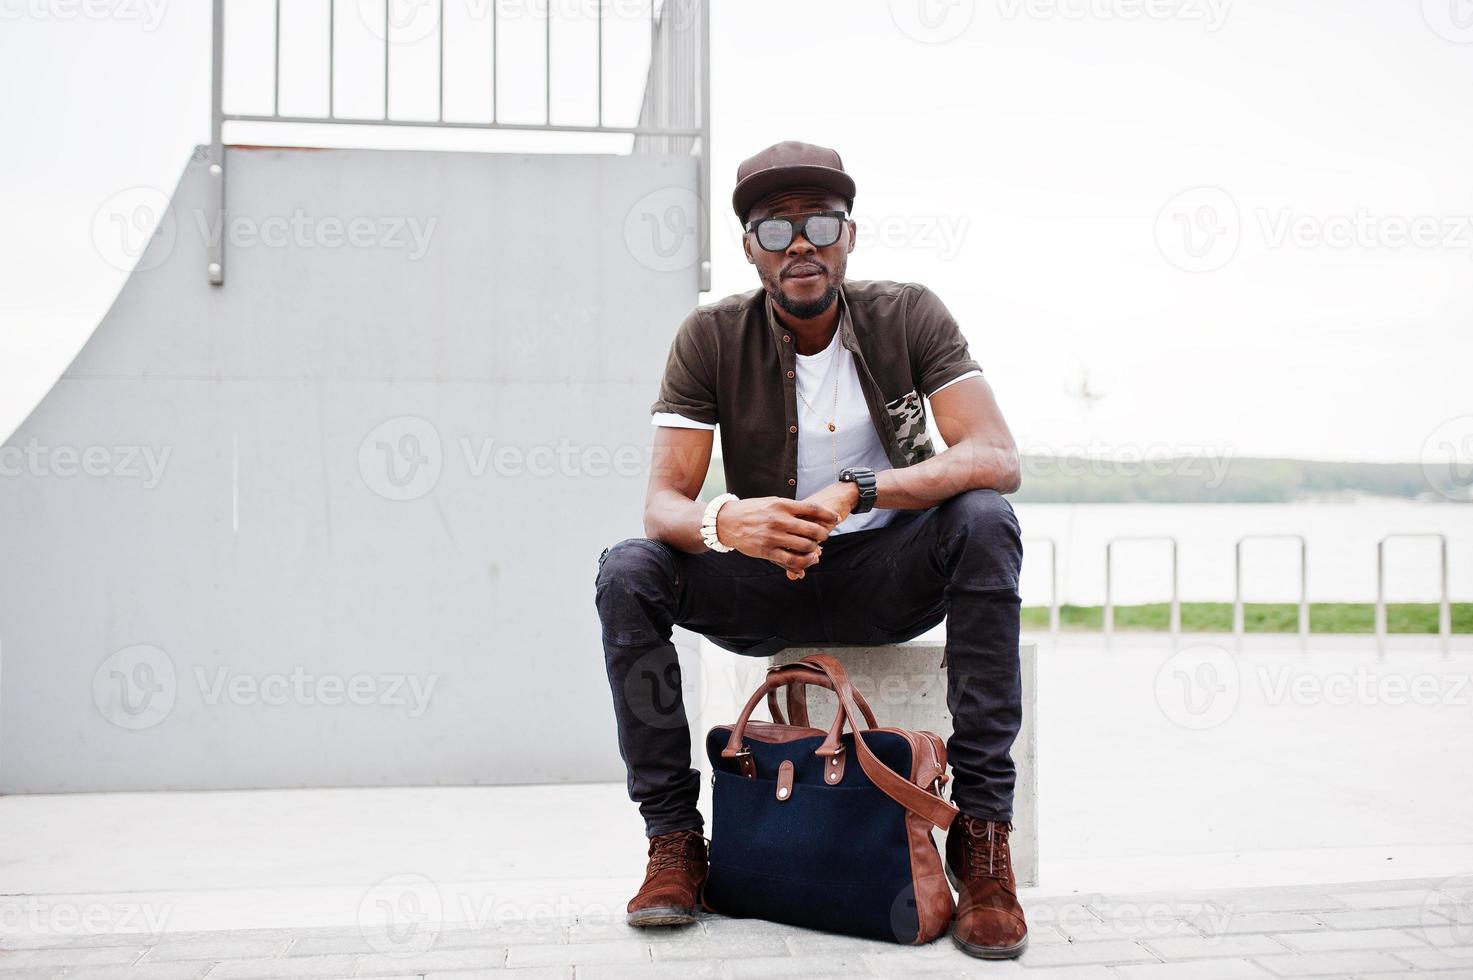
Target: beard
[{"x": 804, "y": 310}]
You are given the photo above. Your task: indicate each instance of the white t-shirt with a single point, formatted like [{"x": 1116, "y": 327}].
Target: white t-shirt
[
  {"x": 854, "y": 438},
  {"x": 854, "y": 434}
]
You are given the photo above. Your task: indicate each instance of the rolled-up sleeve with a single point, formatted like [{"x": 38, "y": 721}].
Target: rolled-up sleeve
[
  {"x": 939, "y": 353},
  {"x": 688, "y": 388}
]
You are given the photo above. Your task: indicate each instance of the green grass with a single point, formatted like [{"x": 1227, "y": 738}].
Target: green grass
[{"x": 1258, "y": 617}]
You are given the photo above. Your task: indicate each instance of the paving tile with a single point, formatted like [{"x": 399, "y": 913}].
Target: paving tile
[
  {"x": 1281, "y": 900},
  {"x": 1392, "y": 918},
  {"x": 703, "y": 947},
  {"x": 469, "y": 958},
  {"x": 72, "y": 956},
  {"x": 1227, "y": 923},
  {"x": 1312, "y": 942},
  {"x": 179, "y": 970},
  {"x": 286, "y": 968},
  {"x": 1399, "y": 898},
  {"x": 1230, "y": 969},
  {"x": 579, "y": 954},
  {"x": 1173, "y": 948},
  {"x": 323, "y": 944},
  {"x": 1103, "y": 952},
  {"x": 806, "y": 967},
  {"x": 673, "y": 970},
  {"x": 1438, "y": 958},
  {"x": 1337, "y": 964},
  {"x": 531, "y": 973},
  {"x": 1457, "y": 940},
  {"x": 221, "y": 946}
]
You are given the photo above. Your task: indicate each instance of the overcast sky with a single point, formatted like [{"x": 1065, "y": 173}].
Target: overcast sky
[{"x": 1239, "y": 225}]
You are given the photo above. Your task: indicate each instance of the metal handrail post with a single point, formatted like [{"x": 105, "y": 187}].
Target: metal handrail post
[
  {"x": 704, "y": 178},
  {"x": 1444, "y": 604},
  {"x": 1053, "y": 602},
  {"x": 215, "y": 244},
  {"x": 1175, "y": 619},
  {"x": 1238, "y": 594},
  {"x": 1239, "y": 627}
]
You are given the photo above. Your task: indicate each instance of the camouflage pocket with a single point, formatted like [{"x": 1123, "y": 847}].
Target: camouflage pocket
[{"x": 908, "y": 415}]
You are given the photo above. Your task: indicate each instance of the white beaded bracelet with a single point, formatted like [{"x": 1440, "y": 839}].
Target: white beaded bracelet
[{"x": 708, "y": 523}]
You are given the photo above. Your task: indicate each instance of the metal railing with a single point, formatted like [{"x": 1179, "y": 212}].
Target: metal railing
[
  {"x": 1053, "y": 581},
  {"x": 1238, "y": 582},
  {"x": 675, "y": 115},
  {"x": 1444, "y": 606},
  {"x": 1109, "y": 580}
]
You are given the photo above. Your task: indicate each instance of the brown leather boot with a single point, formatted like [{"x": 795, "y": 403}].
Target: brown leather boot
[
  {"x": 670, "y": 895},
  {"x": 989, "y": 920}
]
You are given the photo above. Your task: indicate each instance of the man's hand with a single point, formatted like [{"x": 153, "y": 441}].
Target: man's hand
[
  {"x": 789, "y": 533},
  {"x": 841, "y": 499}
]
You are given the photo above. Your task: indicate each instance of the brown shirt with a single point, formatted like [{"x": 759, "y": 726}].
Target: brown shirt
[{"x": 732, "y": 364}]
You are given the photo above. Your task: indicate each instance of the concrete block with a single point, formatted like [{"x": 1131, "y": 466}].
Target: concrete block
[{"x": 905, "y": 683}]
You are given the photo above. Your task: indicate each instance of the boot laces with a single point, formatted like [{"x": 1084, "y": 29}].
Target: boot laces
[
  {"x": 674, "y": 850},
  {"x": 987, "y": 850}
]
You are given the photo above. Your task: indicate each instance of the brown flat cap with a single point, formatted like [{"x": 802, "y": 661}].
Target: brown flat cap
[{"x": 789, "y": 164}]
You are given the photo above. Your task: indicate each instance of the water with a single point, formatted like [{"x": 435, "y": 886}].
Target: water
[{"x": 1342, "y": 551}]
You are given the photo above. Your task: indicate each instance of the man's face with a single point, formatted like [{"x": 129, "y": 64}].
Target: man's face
[{"x": 801, "y": 279}]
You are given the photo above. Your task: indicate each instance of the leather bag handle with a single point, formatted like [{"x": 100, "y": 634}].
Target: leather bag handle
[
  {"x": 779, "y": 675},
  {"x": 927, "y": 805},
  {"x": 797, "y": 698}
]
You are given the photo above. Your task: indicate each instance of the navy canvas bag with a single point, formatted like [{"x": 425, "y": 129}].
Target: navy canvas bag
[{"x": 828, "y": 830}]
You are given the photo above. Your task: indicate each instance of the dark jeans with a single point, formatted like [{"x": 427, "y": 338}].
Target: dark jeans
[{"x": 959, "y": 561}]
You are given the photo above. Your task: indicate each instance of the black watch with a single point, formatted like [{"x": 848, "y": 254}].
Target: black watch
[{"x": 864, "y": 477}]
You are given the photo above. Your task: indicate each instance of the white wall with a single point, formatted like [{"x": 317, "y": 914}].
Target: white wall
[{"x": 206, "y": 562}]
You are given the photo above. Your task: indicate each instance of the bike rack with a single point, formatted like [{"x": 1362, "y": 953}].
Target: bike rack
[
  {"x": 1444, "y": 610},
  {"x": 1109, "y": 580},
  {"x": 1053, "y": 577},
  {"x": 1238, "y": 583}
]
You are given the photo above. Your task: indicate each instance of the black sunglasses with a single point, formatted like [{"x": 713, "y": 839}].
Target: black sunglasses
[{"x": 821, "y": 229}]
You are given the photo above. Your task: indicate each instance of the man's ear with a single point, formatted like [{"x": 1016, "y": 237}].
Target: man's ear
[
  {"x": 747, "y": 248},
  {"x": 853, "y": 231}
]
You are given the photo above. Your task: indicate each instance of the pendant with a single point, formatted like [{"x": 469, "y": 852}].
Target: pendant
[{"x": 831, "y": 427}]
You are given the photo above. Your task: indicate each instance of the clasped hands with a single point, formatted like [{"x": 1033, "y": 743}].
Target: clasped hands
[{"x": 788, "y": 533}]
